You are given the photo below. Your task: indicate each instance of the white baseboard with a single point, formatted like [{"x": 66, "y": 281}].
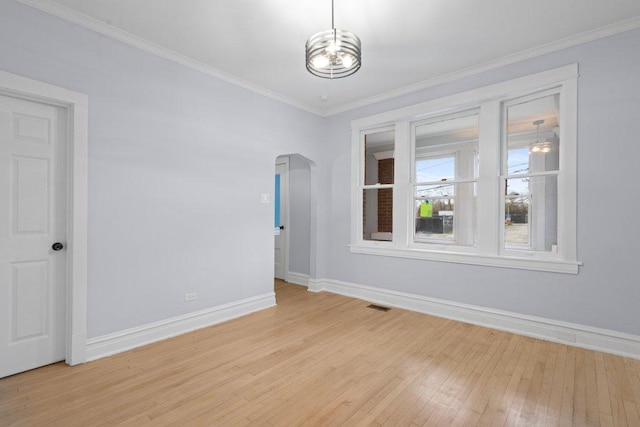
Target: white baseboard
[
  {"x": 318, "y": 285},
  {"x": 547, "y": 329},
  {"x": 118, "y": 342},
  {"x": 298, "y": 278}
]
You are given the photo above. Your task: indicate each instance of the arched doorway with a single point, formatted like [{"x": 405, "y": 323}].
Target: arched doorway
[{"x": 294, "y": 219}]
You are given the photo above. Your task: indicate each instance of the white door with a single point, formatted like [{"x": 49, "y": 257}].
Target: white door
[
  {"x": 32, "y": 218},
  {"x": 280, "y": 215}
]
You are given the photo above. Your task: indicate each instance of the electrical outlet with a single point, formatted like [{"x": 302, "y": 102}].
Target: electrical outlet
[{"x": 190, "y": 296}]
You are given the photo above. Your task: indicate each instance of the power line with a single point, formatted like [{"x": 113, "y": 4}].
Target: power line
[{"x": 433, "y": 166}]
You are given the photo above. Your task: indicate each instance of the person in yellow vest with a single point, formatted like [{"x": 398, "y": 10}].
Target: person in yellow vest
[{"x": 426, "y": 209}]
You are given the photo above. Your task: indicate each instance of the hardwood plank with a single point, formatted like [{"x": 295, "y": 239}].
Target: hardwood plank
[
  {"x": 631, "y": 411},
  {"x": 471, "y": 402},
  {"x": 580, "y": 391},
  {"x": 616, "y": 391},
  {"x": 632, "y": 368},
  {"x": 554, "y": 407},
  {"x": 522, "y": 390},
  {"x": 325, "y": 359},
  {"x": 593, "y": 414},
  {"x": 498, "y": 388},
  {"x": 538, "y": 413},
  {"x": 568, "y": 387}
]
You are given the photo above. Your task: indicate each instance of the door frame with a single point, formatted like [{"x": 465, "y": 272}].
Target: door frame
[
  {"x": 77, "y": 106},
  {"x": 284, "y": 195}
]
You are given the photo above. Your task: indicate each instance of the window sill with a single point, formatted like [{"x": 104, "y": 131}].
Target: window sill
[{"x": 554, "y": 266}]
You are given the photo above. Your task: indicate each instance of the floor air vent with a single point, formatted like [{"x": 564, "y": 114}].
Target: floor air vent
[{"x": 378, "y": 307}]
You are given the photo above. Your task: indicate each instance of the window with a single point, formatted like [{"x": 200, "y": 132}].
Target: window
[
  {"x": 377, "y": 191},
  {"x": 483, "y": 177},
  {"x": 530, "y": 172},
  {"x": 444, "y": 179}
]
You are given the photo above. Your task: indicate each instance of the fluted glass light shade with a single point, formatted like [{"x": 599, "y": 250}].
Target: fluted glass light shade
[{"x": 334, "y": 53}]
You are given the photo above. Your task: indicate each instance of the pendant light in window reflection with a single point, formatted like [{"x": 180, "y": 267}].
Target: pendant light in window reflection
[{"x": 540, "y": 146}]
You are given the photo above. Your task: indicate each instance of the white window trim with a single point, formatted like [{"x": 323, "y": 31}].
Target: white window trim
[{"x": 487, "y": 252}]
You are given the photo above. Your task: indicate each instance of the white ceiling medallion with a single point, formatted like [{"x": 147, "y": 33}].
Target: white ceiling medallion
[{"x": 334, "y": 53}]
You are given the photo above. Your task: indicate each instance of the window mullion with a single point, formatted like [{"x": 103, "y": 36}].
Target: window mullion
[
  {"x": 567, "y": 178},
  {"x": 402, "y": 192},
  {"x": 447, "y": 182},
  {"x": 377, "y": 186},
  {"x": 488, "y": 182},
  {"x": 532, "y": 174},
  {"x": 357, "y": 181}
]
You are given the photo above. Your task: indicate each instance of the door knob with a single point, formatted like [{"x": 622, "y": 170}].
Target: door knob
[
  {"x": 57, "y": 246},
  {"x": 282, "y": 227}
]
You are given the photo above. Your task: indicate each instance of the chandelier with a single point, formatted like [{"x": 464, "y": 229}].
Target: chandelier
[{"x": 334, "y": 53}]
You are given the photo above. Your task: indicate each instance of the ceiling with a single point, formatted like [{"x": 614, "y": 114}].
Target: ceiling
[{"x": 407, "y": 44}]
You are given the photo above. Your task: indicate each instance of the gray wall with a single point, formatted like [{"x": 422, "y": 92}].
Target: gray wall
[
  {"x": 606, "y": 291},
  {"x": 177, "y": 163},
  {"x": 300, "y": 214}
]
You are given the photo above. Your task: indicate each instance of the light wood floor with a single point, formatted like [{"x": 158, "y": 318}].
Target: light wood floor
[{"x": 323, "y": 359}]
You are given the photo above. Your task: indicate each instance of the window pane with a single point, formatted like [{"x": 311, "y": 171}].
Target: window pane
[
  {"x": 531, "y": 214},
  {"x": 532, "y": 136},
  {"x": 378, "y": 158},
  {"x": 440, "y": 191},
  {"x": 435, "y": 169},
  {"x": 377, "y": 221},
  {"x": 446, "y": 213},
  {"x": 447, "y": 149},
  {"x": 435, "y": 228}
]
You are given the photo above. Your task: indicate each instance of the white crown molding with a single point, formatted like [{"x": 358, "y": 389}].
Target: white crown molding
[
  {"x": 100, "y": 27},
  {"x": 125, "y": 37},
  {"x": 108, "y": 345},
  {"x": 537, "y": 327},
  {"x": 598, "y": 33}
]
